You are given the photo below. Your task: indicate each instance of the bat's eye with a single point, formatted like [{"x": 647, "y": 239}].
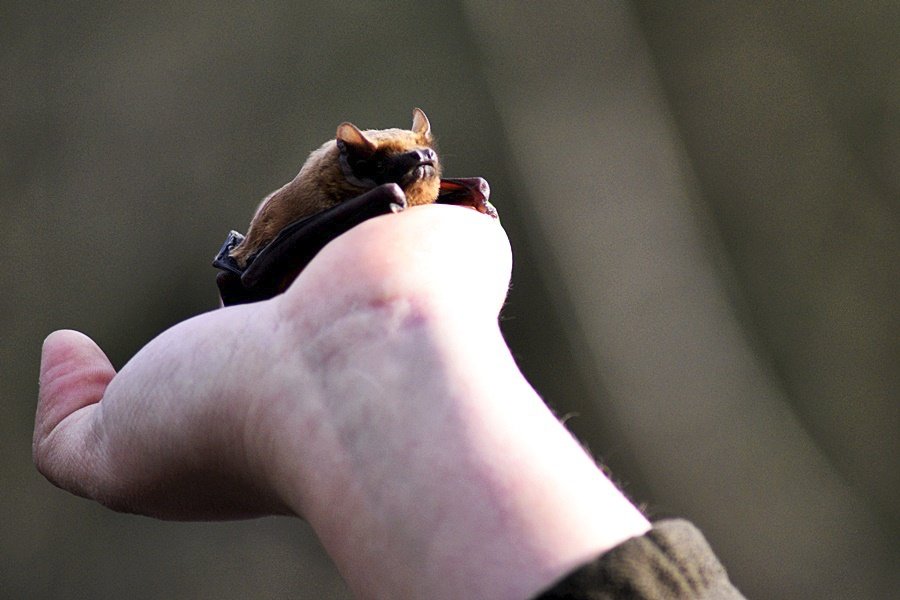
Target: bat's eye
[{"x": 363, "y": 167}]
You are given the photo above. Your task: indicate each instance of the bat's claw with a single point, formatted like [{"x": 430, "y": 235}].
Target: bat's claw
[
  {"x": 468, "y": 191},
  {"x": 223, "y": 260}
]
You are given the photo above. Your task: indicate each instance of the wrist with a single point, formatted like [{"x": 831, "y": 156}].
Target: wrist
[
  {"x": 406, "y": 435},
  {"x": 461, "y": 482}
]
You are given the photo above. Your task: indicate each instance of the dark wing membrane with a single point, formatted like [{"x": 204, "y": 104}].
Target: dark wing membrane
[
  {"x": 275, "y": 267},
  {"x": 467, "y": 191}
]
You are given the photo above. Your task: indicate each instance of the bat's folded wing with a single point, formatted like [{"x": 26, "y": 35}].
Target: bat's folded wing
[
  {"x": 271, "y": 270},
  {"x": 274, "y": 268}
]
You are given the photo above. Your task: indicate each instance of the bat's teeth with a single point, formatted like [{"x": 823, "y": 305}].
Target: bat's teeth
[{"x": 421, "y": 172}]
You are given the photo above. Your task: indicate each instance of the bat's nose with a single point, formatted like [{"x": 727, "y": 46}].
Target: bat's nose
[{"x": 426, "y": 155}]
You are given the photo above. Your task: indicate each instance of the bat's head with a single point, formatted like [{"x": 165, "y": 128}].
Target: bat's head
[{"x": 405, "y": 157}]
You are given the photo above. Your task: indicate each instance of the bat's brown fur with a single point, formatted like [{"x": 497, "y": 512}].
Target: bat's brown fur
[{"x": 321, "y": 183}]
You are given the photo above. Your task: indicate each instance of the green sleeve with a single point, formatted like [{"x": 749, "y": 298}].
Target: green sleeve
[{"x": 672, "y": 561}]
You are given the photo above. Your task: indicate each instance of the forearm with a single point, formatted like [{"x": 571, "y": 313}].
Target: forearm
[
  {"x": 449, "y": 477},
  {"x": 375, "y": 398}
]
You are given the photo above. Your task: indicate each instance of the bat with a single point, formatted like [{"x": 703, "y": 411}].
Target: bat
[{"x": 349, "y": 179}]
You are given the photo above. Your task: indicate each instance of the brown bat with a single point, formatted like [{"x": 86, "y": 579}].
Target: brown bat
[
  {"x": 347, "y": 180},
  {"x": 353, "y": 163}
]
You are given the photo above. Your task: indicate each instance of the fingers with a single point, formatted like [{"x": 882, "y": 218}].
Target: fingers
[
  {"x": 74, "y": 376},
  {"x": 448, "y": 256},
  {"x": 164, "y": 437},
  {"x": 458, "y": 255}
]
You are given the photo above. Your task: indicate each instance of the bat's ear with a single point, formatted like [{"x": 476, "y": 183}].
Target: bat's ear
[
  {"x": 420, "y": 125},
  {"x": 356, "y": 139}
]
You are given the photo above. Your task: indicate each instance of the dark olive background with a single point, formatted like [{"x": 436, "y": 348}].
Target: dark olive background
[{"x": 702, "y": 200}]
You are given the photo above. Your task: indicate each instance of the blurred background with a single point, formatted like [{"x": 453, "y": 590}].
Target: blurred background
[{"x": 702, "y": 200}]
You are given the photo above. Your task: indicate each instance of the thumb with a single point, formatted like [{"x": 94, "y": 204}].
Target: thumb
[{"x": 74, "y": 376}]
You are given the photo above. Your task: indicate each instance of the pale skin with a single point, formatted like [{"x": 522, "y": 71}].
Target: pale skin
[{"x": 376, "y": 399}]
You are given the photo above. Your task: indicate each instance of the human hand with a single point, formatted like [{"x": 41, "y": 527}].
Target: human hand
[{"x": 375, "y": 398}]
